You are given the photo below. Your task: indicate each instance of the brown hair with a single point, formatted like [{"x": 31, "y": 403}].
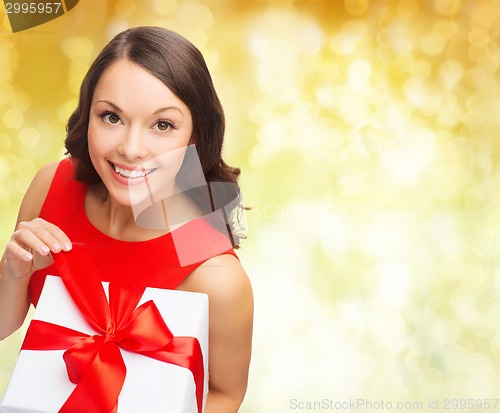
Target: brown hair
[{"x": 181, "y": 67}]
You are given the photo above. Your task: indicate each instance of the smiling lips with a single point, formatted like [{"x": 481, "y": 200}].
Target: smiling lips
[{"x": 127, "y": 175}]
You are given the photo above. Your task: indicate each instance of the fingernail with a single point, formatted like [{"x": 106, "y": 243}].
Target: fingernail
[
  {"x": 44, "y": 249},
  {"x": 28, "y": 257},
  {"x": 56, "y": 246},
  {"x": 67, "y": 246}
]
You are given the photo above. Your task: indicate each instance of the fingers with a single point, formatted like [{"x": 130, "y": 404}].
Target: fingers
[
  {"x": 19, "y": 252},
  {"x": 41, "y": 237}
]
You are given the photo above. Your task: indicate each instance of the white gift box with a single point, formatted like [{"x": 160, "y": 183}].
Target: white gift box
[{"x": 40, "y": 383}]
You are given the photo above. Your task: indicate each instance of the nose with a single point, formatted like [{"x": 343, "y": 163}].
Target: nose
[{"x": 132, "y": 145}]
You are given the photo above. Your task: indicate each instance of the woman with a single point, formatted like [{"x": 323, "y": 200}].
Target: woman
[{"x": 147, "y": 95}]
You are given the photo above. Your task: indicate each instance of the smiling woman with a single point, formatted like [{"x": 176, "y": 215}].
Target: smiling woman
[{"x": 146, "y": 103}]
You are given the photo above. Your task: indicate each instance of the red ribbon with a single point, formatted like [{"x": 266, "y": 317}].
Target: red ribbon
[{"x": 94, "y": 363}]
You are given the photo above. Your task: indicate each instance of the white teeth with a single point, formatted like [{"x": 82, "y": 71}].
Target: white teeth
[{"x": 126, "y": 173}]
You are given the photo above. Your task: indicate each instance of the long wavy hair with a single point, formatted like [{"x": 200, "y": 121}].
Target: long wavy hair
[{"x": 181, "y": 67}]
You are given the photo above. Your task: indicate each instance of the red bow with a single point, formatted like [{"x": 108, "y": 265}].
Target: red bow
[{"x": 94, "y": 363}]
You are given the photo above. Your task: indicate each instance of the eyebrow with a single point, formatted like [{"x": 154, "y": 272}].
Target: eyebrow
[{"x": 117, "y": 108}]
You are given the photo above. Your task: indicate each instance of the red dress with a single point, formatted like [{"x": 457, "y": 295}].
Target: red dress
[{"x": 151, "y": 263}]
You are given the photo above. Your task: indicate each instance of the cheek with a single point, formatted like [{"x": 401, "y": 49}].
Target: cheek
[
  {"x": 91, "y": 139},
  {"x": 97, "y": 146}
]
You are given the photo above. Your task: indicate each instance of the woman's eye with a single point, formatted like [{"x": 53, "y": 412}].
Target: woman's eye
[
  {"x": 163, "y": 125},
  {"x": 111, "y": 118}
]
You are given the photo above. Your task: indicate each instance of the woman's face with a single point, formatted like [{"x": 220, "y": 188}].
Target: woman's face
[{"x": 138, "y": 132}]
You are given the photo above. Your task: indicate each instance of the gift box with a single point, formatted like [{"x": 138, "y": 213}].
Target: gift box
[{"x": 159, "y": 378}]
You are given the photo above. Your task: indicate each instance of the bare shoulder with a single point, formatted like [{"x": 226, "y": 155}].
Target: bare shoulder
[
  {"x": 223, "y": 279},
  {"x": 37, "y": 192}
]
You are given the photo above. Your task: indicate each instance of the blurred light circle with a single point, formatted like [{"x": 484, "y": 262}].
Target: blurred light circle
[
  {"x": 125, "y": 8},
  {"x": 29, "y": 137},
  {"x": 447, "y": 7},
  {"x": 13, "y": 118},
  {"x": 356, "y": 7}
]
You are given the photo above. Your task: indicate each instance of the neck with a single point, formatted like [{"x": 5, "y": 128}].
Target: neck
[
  {"x": 114, "y": 219},
  {"x": 119, "y": 217}
]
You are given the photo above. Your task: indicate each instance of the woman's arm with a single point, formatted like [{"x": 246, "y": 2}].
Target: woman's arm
[
  {"x": 28, "y": 249},
  {"x": 230, "y": 332}
]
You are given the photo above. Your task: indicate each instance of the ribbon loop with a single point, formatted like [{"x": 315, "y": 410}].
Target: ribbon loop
[{"x": 146, "y": 331}]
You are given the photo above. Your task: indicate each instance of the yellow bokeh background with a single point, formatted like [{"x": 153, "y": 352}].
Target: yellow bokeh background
[{"x": 367, "y": 136}]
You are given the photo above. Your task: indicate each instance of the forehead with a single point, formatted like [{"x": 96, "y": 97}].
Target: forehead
[{"x": 130, "y": 85}]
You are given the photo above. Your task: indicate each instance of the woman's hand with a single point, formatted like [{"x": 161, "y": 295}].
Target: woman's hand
[{"x": 31, "y": 246}]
